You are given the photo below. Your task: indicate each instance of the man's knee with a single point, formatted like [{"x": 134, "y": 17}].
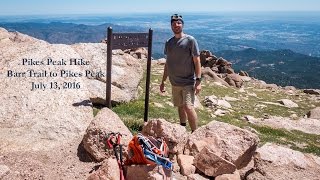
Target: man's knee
[{"x": 188, "y": 108}]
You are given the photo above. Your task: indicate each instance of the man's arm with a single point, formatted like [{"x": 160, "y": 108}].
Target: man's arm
[
  {"x": 164, "y": 78},
  {"x": 197, "y": 65}
]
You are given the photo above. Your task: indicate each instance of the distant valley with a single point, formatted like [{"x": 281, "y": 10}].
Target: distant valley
[
  {"x": 282, "y": 67},
  {"x": 249, "y": 48}
]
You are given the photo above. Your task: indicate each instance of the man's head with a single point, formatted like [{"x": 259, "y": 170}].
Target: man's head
[{"x": 176, "y": 23}]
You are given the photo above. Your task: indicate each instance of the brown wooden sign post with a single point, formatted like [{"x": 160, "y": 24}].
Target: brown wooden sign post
[{"x": 128, "y": 41}]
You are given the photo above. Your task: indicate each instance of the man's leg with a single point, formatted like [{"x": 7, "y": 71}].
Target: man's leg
[
  {"x": 177, "y": 97},
  {"x": 182, "y": 116},
  {"x": 192, "y": 116},
  {"x": 189, "y": 96}
]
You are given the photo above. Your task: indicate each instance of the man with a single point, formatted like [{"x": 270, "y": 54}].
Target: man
[{"x": 184, "y": 70}]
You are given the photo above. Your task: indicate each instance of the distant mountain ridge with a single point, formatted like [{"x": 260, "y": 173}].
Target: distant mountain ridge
[
  {"x": 65, "y": 33},
  {"x": 282, "y": 67}
]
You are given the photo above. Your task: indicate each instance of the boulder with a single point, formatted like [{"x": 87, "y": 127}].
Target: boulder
[
  {"x": 227, "y": 141},
  {"x": 234, "y": 80},
  {"x": 233, "y": 176},
  {"x": 109, "y": 170},
  {"x": 43, "y": 119},
  {"x": 314, "y": 113},
  {"x": 243, "y": 73},
  {"x": 94, "y": 140},
  {"x": 186, "y": 164},
  {"x": 39, "y": 119},
  {"x": 312, "y": 91},
  {"x": 307, "y": 125},
  {"x": 288, "y": 103},
  {"x": 280, "y": 163},
  {"x": 148, "y": 171},
  {"x": 174, "y": 134},
  {"x": 162, "y": 61},
  {"x": 212, "y": 165},
  {"x": 208, "y": 72},
  {"x": 213, "y": 101}
]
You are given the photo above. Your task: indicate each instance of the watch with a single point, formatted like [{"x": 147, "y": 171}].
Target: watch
[{"x": 198, "y": 78}]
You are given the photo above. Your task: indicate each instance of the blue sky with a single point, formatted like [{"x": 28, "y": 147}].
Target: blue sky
[{"x": 33, "y": 7}]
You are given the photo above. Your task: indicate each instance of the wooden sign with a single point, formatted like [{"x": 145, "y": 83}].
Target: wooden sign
[{"x": 128, "y": 41}]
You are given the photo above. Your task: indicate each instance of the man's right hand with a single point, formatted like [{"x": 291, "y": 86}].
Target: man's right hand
[{"x": 162, "y": 87}]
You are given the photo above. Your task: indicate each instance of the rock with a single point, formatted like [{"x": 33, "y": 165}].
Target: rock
[
  {"x": 208, "y": 72},
  {"x": 311, "y": 126},
  {"x": 230, "y": 71},
  {"x": 148, "y": 171},
  {"x": 312, "y": 91},
  {"x": 197, "y": 177},
  {"x": 250, "y": 119},
  {"x": 246, "y": 78},
  {"x": 314, "y": 113},
  {"x": 211, "y": 164},
  {"x": 51, "y": 117},
  {"x": 234, "y": 80},
  {"x": 109, "y": 170},
  {"x": 178, "y": 176},
  {"x": 245, "y": 171},
  {"x": 174, "y": 134},
  {"x": 40, "y": 119},
  {"x": 102, "y": 125},
  {"x": 207, "y": 59},
  {"x": 276, "y": 162},
  {"x": 197, "y": 104},
  {"x": 162, "y": 61},
  {"x": 227, "y": 141},
  {"x": 142, "y": 53},
  {"x": 186, "y": 164},
  {"x": 122, "y": 65},
  {"x": 288, "y": 103},
  {"x": 243, "y": 73},
  {"x": 233, "y": 176},
  {"x": 294, "y": 116},
  {"x": 268, "y": 86},
  {"x": 227, "y": 98},
  {"x": 4, "y": 170},
  {"x": 211, "y": 101},
  {"x": 292, "y": 88},
  {"x": 159, "y": 105},
  {"x": 252, "y": 94},
  {"x": 224, "y": 104},
  {"x": 170, "y": 104},
  {"x": 220, "y": 112}
]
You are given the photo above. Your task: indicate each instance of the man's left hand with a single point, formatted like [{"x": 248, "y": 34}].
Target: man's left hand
[{"x": 197, "y": 87}]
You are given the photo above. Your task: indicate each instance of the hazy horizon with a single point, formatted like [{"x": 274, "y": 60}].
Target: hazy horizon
[{"x": 61, "y": 7}]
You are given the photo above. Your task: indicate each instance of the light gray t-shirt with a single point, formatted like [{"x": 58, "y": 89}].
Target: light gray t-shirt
[{"x": 180, "y": 53}]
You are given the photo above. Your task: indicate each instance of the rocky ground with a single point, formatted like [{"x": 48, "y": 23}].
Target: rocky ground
[{"x": 64, "y": 162}]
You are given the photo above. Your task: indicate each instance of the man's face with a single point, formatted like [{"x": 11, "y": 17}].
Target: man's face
[{"x": 176, "y": 27}]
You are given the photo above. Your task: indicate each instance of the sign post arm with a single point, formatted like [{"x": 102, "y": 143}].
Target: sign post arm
[{"x": 146, "y": 102}]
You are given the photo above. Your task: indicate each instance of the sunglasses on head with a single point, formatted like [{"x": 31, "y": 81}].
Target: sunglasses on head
[{"x": 176, "y": 16}]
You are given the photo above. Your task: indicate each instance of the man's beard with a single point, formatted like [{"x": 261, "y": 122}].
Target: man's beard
[{"x": 178, "y": 31}]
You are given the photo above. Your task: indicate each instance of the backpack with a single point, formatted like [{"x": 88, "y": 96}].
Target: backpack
[{"x": 148, "y": 150}]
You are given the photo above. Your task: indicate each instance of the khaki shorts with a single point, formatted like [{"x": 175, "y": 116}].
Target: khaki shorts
[{"x": 183, "y": 95}]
